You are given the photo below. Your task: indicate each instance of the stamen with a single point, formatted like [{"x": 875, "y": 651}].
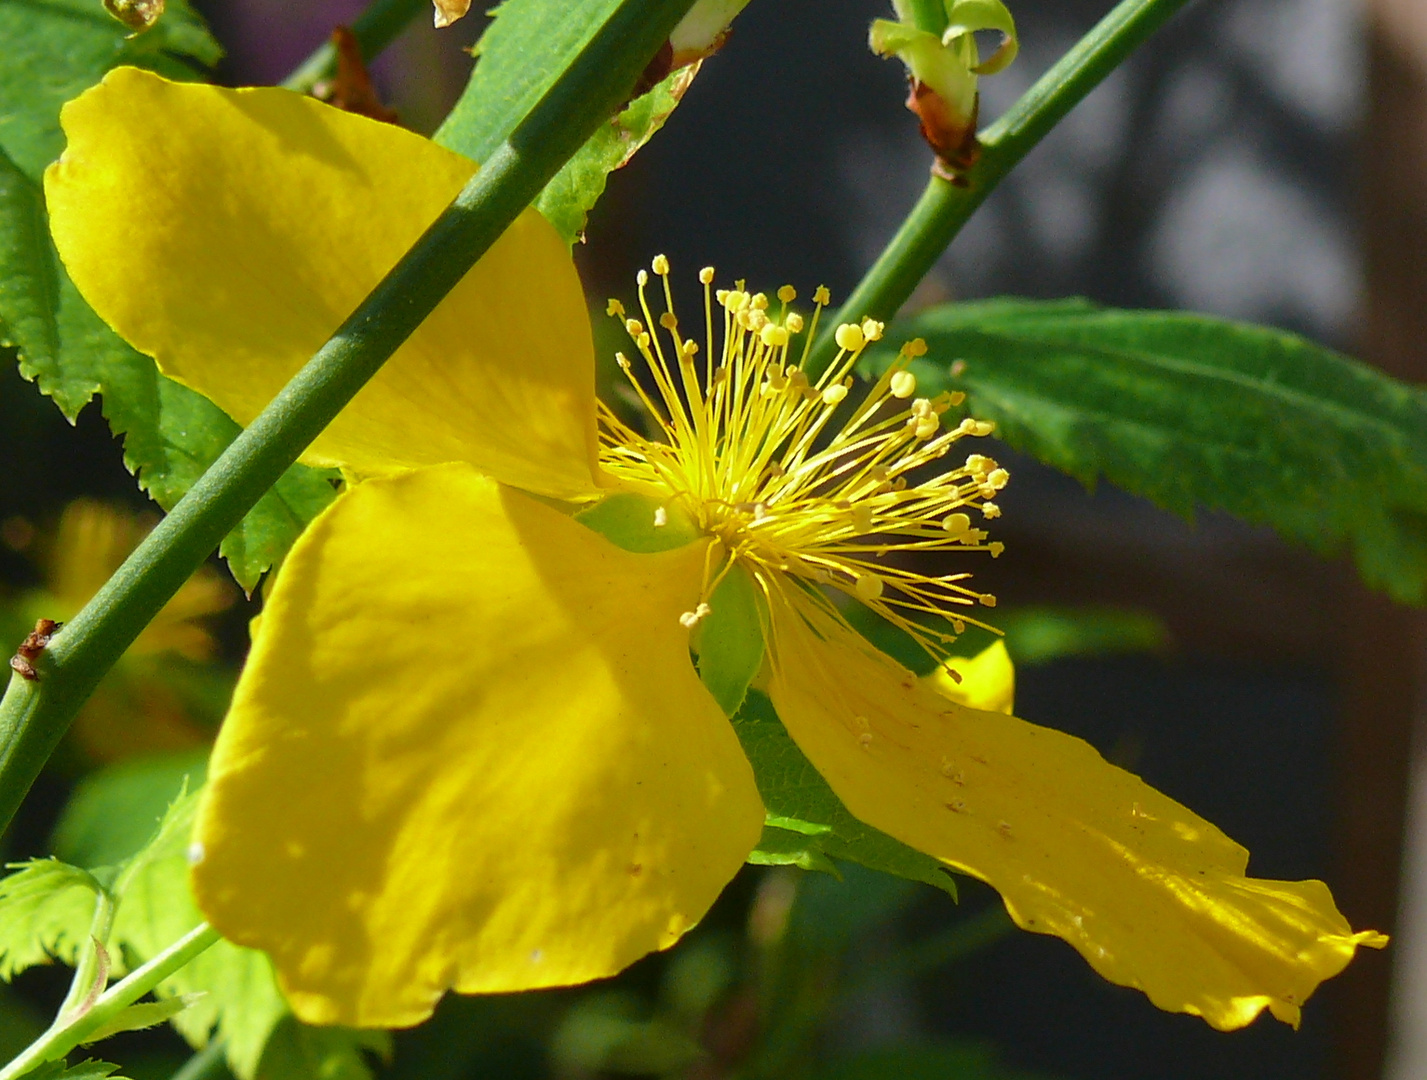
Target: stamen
[
  {"x": 689, "y": 619},
  {"x": 747, "y": 447}
]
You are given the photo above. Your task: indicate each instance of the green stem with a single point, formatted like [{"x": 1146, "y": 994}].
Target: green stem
[
  {"x": 375, "y": 28},
  {"x": 944, "y": 207},
  {"x": 57, "y": 1042},
  {"x": 35, "y": 714},
  {"x": 87, "y": 968}
]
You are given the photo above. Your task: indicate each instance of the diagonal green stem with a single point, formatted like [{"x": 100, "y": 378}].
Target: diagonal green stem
[
  {"x": 375, "y": 28},
  {"x": 945, "y": 207},
  {"x": 36, "y": 713},
  {"x": 59, "y": 1041}
]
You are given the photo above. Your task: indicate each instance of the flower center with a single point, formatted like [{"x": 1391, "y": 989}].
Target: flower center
[{"x": 791, "y": 477}]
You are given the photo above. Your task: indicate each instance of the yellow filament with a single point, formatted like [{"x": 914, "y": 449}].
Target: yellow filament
[{"x": 749, "y": 447}]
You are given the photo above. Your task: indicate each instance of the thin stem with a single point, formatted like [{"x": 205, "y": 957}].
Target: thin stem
[
  {"x": 375, "y": 28},
  {"x": 87, "y": 969},
  {"x": 944, "y": 207},
  {"x": 210, "y": 1063},
  {"x": 35, "y": 713},
  {"x": 57, "y": 1042}
]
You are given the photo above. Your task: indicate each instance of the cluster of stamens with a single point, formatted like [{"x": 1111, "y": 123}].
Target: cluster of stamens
[{"x": 749, "y": 452}]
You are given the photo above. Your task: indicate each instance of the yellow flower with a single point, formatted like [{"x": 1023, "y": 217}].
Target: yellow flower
[
  {"x": 469, "y": 749},
  {"x": 135, "y": 709}
]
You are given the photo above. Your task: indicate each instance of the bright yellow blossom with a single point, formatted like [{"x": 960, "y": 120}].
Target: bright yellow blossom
[{"x": 469, "y": 749}]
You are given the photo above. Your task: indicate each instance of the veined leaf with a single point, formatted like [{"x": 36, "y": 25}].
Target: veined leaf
[
  {"x": 799, "y": 801},
  {"x": 85, "y": 1070},
  {"x": 55, "y": 49},
  {"x": 528, "y": 43},
  {"x": 1193, "y": 411},
  {"x": 569, "y": 197},
  {"x": 46, "y": 907}
]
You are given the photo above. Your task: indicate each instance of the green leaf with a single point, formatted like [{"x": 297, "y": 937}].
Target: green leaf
[
  {"x": 1192, "y": 411},
  {"x": 85, "y": 1070},
  {"x": 301, "y": 1052},
  {"x": 798, "y": 799},
  {"x": 528, "y": 43},
  {"x": 146, "y": 1014},
  {"x": 730, "y": 641},
  {"x": 45, "y": 911},
  {"x": 569, "y": 197},
  {"x": 519, "y": 56},
  {"x": 240, "y": 1001},
  {"x": 113, "y": 812},
  {"x": 1037, "y": 635},
  {"x": 55, "y": 49}
]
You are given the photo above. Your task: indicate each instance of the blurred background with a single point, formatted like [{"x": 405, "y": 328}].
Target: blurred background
[{"x": 1260, "y": 159}]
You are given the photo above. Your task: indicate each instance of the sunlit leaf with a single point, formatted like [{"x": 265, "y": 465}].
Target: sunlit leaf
[{"x": 1192, "y": 411}]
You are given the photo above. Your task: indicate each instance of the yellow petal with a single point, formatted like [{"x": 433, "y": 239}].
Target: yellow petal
[
  {"x": 988, "y": 679},
  {"x": 1152, "y": 895},
  {"x": 228, "y": 233},
  {"x": 468, "y": 750}
]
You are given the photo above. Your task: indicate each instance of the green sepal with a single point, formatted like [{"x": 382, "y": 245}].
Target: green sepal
[
  {"x": 630, "y": 521},
  {"x": 1191, "y": 411},
  {"x": 789, "y": 847},
  {"x": 730, "y": 639},
  {"x": 800, "y": 801}
]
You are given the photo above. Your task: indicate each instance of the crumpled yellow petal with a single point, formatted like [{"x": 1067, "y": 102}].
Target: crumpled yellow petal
[
  {"x": 227, "y": 233},
  {"x": 988, "y": 679},
  {"x": 468, "y": 750},
  {"x": 1152, "y": 895}
]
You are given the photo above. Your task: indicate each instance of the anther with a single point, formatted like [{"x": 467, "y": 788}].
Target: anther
[
  {"x": 956, "y": 524},
  {"x": 759, "y": 301},
  {"x": 614, "y": 307},
  {"x": 633, "y": 327},
  {"x": 660, "y": 265},
  {"x": 872, "y": 329},
  {"x": 822, "y": 296},
  {"x": 862, "y": 517},
  {"x": 903, "y": 384},
  {"x": 794, "y": 323},
  {"x": 689, "y": 348},
  {"x": 787, "y": 294},
  {"x": 642, "y": 278},
  {"x": 956, "y": 397},
  {"x": 990, "y": 510},
  {"x": 997, "y": 478},
  {"x": 706, "y": 275},
  {"x": 622, "y": 361},
  {"x": 915, "y": 348},
  {"x": 834, "y": 394},
  {"x": 849, "y": 337},
  {"x": 868, "y": 587},
  {"x": 689, "y": 619},
  {"x": 661, "y": 517},
  {"x": 995, "y": 548},
  {"x": 668, "y": 320},
  {"x": 773, "y": 336},
  {"x": 987, "y": 600}
]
